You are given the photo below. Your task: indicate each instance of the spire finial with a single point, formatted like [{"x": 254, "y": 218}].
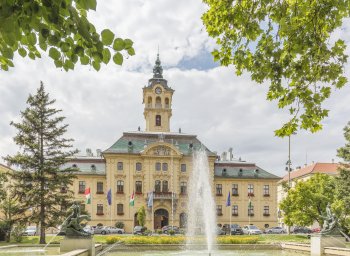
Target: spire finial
[{"x": 158, "y": 70}]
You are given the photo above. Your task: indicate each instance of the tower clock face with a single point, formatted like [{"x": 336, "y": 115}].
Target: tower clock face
[{"x": 158, "y": 90}]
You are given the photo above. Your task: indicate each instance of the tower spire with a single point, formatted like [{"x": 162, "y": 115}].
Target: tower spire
[{"x": 158, "y": 70}]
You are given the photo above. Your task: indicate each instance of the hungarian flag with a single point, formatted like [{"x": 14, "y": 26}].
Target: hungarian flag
[
  {"x": 88, "y": 196},
  {"x": 132, "y": 199}
]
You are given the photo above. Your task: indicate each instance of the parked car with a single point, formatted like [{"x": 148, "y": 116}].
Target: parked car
[
  {"x": 275, "y": 230},
  {"x": 302, "y": 230},
  {"x": 235, "y": 230},
  {"x": 89, "y": 230},
  {"x": 139, "y": 230},
  {"x": 166, "y": 229},
  {"x": 114, "y": 230},
  {"x": 101, "y": 230},
  {"x": 316, "y": 230},
  {"x": 30, "y": 231},
  {"x": 251, "y": 230}
]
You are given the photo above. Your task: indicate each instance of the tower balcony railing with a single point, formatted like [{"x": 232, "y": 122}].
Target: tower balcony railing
[{"x": 158, "y": 105}]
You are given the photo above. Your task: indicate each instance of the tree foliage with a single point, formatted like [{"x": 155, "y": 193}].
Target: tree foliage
[
  {"x": 62, "y": 29},
  {"x": 141, "y": 216},
  {"x": 3, "y": 180},
  {"x": 11, "y": 213},
  {"x": 342, "y": 203},
  {"x": 306, "y": 203},
  {"x": 286, "y": 43},
  {"x": 43, "y": 151}
]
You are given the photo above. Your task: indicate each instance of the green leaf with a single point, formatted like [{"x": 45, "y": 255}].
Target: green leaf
[
  {"x": 96, "y": 65},
  {"x": 118, "y": 44},
  {"x": 54, "y": 53},
  {"x": 118, "y": 58},
  {"x": 131, "y": 51},
  {"x": 84, "y": 60},
  {"x": 128, "y": 43},
  {"x": 107, "y": 36},
  {"x": 22, "y": 52},
  {"x": 92, "y": 4},
  {"x": 31, "y": 55},
  {"x": 32, "y": 38},
  {"x": 58, "y": 63},
  {"x": 106, "y": 55},
  {"x": 7, "y": 53}
]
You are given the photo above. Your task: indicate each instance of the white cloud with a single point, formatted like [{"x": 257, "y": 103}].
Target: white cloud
[{"x": 222, "y": 109}]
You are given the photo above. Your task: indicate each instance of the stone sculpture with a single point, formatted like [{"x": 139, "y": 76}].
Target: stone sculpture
[
  {"x": 71, "y": 226},
  {"x": 330, "y": 224}
]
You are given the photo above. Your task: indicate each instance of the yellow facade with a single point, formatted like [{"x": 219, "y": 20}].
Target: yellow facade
[{"x": 159, "y": 161}]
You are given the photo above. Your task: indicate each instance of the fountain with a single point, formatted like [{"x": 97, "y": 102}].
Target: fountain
[{"x": 201, "y": 206}]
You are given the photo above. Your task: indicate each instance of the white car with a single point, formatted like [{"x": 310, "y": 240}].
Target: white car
[
  {"x": 113, "y": 230},
  {"x": 30, "y": 231},
  {"x": 251, "y": 230}
]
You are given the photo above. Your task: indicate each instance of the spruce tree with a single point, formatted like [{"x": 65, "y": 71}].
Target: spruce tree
[
  {"x": 342, "y": 204},
  {"x": 40, "y": 183}
]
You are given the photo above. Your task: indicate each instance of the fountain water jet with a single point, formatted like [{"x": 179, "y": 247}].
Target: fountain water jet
[{"x": 201, "y": 204}]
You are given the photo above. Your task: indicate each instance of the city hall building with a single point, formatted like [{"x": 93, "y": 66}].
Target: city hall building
[{"x": 159, "y": 160}]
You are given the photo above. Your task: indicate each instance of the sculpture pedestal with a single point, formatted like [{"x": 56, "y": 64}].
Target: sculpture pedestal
[
  {"x": 319, "y": 242},
  {"x": 71, "y": 244}
]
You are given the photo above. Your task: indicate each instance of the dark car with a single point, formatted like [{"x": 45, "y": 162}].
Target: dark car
[
  {"x": 302, "y": 230},
  {"x": 234, "y": 230}
]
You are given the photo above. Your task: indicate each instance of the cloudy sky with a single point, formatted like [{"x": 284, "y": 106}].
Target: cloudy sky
[{"x": 211, "y": 101}]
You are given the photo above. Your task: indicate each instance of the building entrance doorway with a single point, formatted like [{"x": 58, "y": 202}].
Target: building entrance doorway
[{"x": 161, "y": 218}]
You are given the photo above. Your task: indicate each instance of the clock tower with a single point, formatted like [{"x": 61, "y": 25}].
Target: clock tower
[{"x": 157, "y": 97}]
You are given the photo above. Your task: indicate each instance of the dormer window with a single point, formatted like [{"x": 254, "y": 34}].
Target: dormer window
[
  {"x": 93, "y": 168},
  {"x": 74, "y": 166}
]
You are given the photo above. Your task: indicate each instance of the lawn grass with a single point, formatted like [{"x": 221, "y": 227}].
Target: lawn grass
[{"x": 260, "y": 239}]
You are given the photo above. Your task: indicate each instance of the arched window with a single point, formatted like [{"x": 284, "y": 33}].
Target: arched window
[
  {"x": 149, "y": 102},
  {"x": 165, "y": 166},
  {"x": 157, "y": 186},
  {"x": 167, "y": 103},
  {"x": 120, "y": 187},
  {"x": 165, "y": 186},
  {"x": 158, "y": 102},
  {"x": 158, "y": 120}
]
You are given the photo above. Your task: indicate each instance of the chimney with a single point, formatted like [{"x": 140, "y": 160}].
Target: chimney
[
  {"x": 89, "y": 152},
  {"x": 332, "y": 160},
  {"x": 98, "y": 152},
  {"x": 179, "y": 130},
  {"x": 231, "y": 155},
  {"x": 224, "y": 156}
]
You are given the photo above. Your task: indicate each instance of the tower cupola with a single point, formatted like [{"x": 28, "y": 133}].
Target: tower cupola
[{"x": 157, "y": 97}]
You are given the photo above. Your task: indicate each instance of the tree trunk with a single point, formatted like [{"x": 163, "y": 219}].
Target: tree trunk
[{"x": 42, "y": 224}]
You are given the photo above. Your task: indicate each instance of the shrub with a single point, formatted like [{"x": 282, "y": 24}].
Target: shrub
[
  {"x": 17, "y": 234},
  {"x": 99, "y": 225},
  {"x": 119, "y": 224},
  {"x": 171, "y": 232},
  {"x": 237, "y": 240}
]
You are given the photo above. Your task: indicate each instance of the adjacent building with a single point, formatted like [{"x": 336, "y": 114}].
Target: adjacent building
[{"x": 301, "y": 174}]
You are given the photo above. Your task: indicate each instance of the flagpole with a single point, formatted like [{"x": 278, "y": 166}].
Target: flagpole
[
  {"x": 152, "y": 212},
  {"x": 230, "y": 218}
]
